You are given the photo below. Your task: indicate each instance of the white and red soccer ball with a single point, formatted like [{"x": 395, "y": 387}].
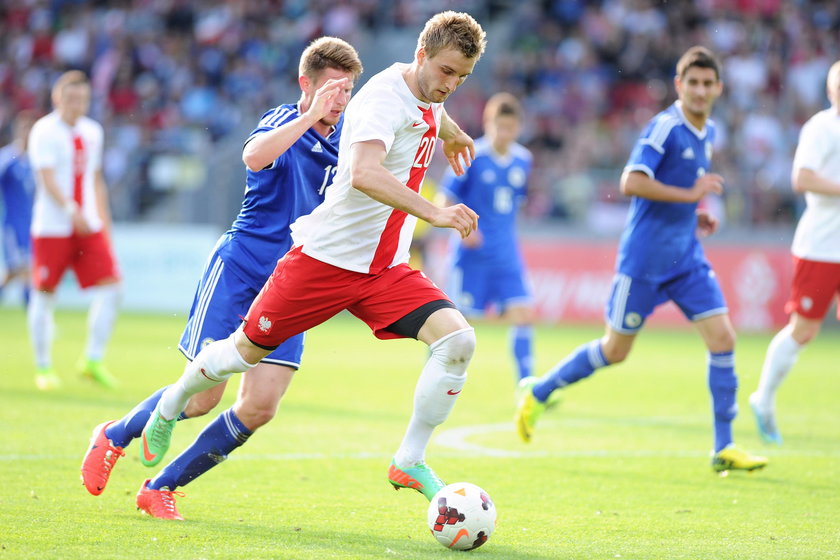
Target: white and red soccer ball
[{"x": 462, "y": 516}]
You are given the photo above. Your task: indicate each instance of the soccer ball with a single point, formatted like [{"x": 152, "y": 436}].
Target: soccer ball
[{"x": 462, "y": 516}]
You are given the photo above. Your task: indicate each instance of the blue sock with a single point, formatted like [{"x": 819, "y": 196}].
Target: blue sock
[
  {"x": 723, "y": 385},
  {"x": 522, "y": 341},
  {"x": 131, "y": 425},
  {"x": 578, "y": 365},
  {"x": 214, "y": 443}
]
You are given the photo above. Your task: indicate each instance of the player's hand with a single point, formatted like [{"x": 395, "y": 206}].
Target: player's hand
[
  {"x": 80, "y": 224},
  {"x": 708, "y": 183},
  {"x": 706, "y": 223},
  {"x": 474, "y": 240},
  {"x": 459, "y": 217},
  {"x": 459, "y": 151},
  {"x": 326, "y": 97}
]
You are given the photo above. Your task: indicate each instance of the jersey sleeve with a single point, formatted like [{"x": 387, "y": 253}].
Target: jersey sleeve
[
  {"x": 271, "y": 120},
  {"x": 813, "y": 148},
  {"x": 650, "y": 148},
  {"x": 42, "y": 150},
  {"x": 376, "y": 116}
]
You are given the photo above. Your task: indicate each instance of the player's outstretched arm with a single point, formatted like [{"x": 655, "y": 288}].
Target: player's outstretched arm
[
  {"x": 264, "y": 148},
  {"x": 370, "y": 177}
]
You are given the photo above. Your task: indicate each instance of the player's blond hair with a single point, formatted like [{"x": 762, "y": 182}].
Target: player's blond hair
[
  {"x": 329, "y": 52},
  {"x": 456, "y": 30},
  {"x": 699, "y": 57},
  {"x": 69, "y": 78},
  {"x": 502, "y": 104}
]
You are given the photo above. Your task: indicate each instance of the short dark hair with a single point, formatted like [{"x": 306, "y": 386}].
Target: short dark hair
[
  {"x": 699, "y": 57},
  {"x": 502, "y": 104}
]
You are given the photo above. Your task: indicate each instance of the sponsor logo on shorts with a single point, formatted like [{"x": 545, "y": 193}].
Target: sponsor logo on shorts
[
  {"x": 207, "y": 342},
  {"x": 264, "y": 324}
]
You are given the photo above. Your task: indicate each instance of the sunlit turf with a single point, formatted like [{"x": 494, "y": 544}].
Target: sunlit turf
[{"x": 619, "y": 470}]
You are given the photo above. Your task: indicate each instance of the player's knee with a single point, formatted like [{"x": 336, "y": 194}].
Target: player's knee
[
  {"x": 723, "y": 341},
  {"x": 614, "y": 354},
  {"x": 221, "y": 359},
  {"x": 255, "y": 416},
  {"x": 456, "y": 349}
]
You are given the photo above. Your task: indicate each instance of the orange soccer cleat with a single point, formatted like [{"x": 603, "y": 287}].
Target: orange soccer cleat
[{"x": 99, "y": 460}]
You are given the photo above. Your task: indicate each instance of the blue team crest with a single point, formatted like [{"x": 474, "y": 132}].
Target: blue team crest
[
  {"x": 488, "y": 176},
  {"x": 516, "y": 177}
]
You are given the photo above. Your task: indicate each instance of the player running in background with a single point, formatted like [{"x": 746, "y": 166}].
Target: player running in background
[
  {"x": 291, "y": 158},
  {"x": 70, "y": 227},
  {"x": 17, "y": 187},
  {"x": 351, "y": 252},
  {"x": 488, "y": 267},
  {"x": 816, "y": 253},
  {"x": 660, "y": 257}
]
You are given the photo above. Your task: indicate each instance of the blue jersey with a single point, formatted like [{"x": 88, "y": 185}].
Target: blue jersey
[
  {"x": 494, "y": 186},
  {"x": 292, "y": 186},
  {"x": 17, "y": 187},
  {"x": 659, "y": 240}
]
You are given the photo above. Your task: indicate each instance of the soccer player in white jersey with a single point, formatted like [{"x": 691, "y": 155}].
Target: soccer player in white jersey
[
  {"x": 70, "y": 227},
  {"x": 351, "y": 252},
  {"x": 816, "y": 253},
  {"x": 660, "y": 258},
  {"x": 291, "y": 158},
  {"x": 487, "y": 267}
]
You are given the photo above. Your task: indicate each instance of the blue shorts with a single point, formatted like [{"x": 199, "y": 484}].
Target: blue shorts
[
  {"x": 17, "y": 245},
  {"x": 475, "y": 287},
  {"x": 221, "y": 302},
  {"x": 696, "y": 292}
]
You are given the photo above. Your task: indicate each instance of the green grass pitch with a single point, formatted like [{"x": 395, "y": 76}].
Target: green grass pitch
[{"x": 619, "y": 470}]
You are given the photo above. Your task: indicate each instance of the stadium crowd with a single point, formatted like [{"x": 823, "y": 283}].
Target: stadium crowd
[{"x": 173, "y": 80}]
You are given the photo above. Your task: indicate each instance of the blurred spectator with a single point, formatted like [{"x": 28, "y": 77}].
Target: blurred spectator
[{"x": 177, "y": 80}]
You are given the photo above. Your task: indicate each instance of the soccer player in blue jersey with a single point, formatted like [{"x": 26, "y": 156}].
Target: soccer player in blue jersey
[
  {"x": 487, "y": 267},
  {"x": 291, "y": 158},
  {"x": 660, "y": 257},
  {"x": 17, "y": 187}
]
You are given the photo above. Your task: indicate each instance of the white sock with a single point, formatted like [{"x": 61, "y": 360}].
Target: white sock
[
  {"x": 41, "y": 326},
  {"x": 782, "y": 353},
  {"x": 438, "y": 387},
  {"x": 215, "y": 363},
  {"x": 101, "y": 318}
]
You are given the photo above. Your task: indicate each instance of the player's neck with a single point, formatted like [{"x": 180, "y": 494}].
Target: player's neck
[
  {"x": 697, "y": 120},
  {"x": 412, "y": 81},
  {"x": 499, "y": 148},
  {"x": 69, "y": 118}
]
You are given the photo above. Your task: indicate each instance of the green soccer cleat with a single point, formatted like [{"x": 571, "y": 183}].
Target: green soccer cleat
[
  {"x": 529, "y": 409},
  {"x": 156, "y": 437},
  {"x": 95, "y": 371},
  {"x": 46, "y": 379},
  {"x": 419, "y": 477},
  {"x": 732, "y": 458},
  {"x": 765, "y": 422}
]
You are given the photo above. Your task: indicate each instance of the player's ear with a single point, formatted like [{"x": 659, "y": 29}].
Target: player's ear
[
  {"x": 304, "y": 82},
  {"x": 420, "y": 55}
]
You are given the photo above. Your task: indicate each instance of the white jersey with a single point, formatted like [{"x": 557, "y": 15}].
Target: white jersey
[
  {"x": 74, "y": 154},
  {"x": 818, "y": 231},
  {"x": 349, "y": 229}
]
